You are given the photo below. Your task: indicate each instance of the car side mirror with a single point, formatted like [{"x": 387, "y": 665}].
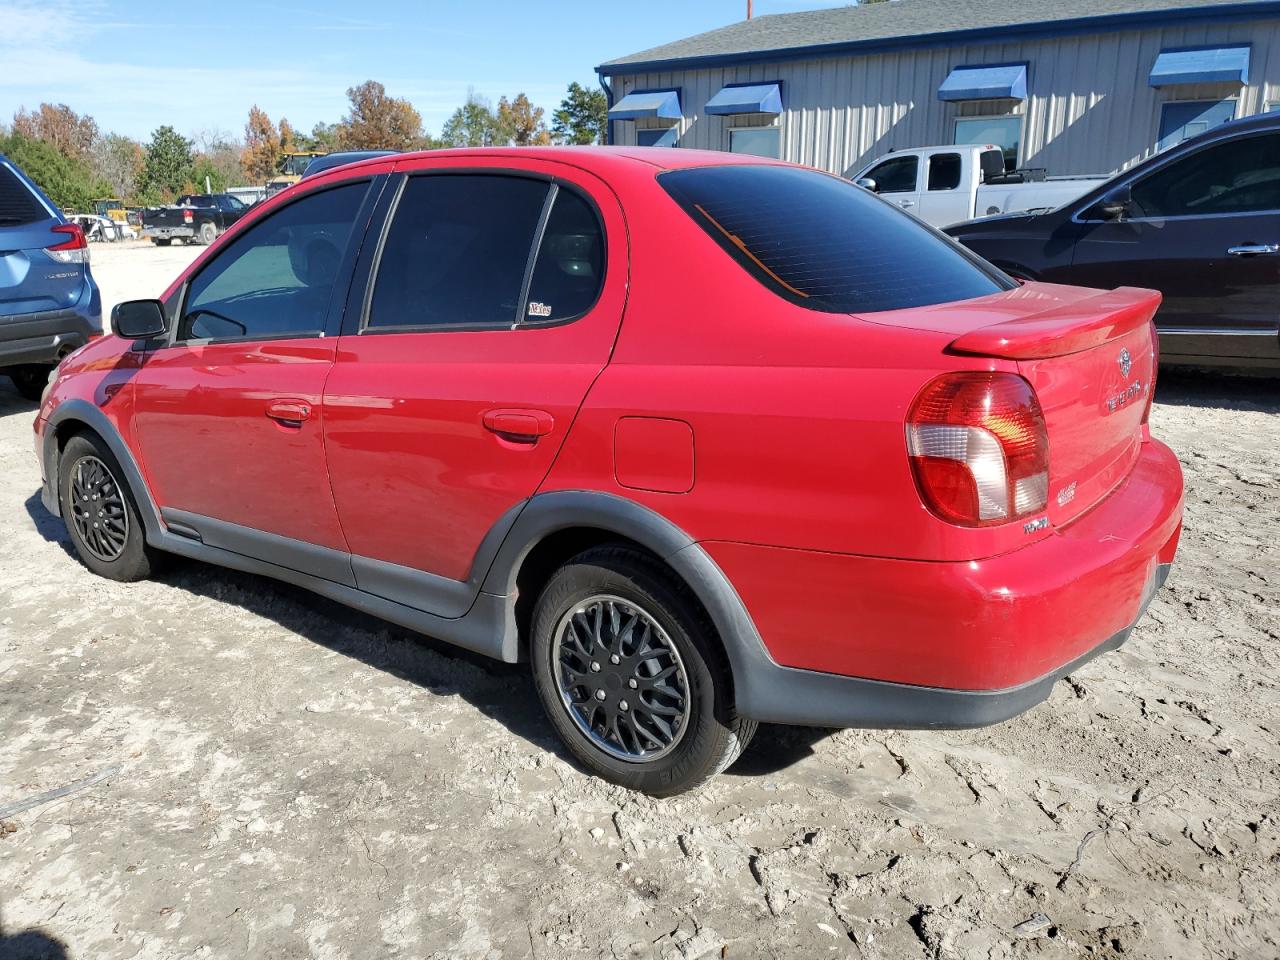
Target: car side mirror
[
  {"x": 139, "y": 319},
  {"x": 1115, "y": 203},
  {"x": 866, "y": 183}
]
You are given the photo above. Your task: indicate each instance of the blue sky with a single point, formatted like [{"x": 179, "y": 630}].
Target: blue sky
[{"x": 136, "y": 65}]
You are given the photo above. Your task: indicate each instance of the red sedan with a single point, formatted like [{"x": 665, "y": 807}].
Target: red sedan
[{"x": 708, "y": 440}]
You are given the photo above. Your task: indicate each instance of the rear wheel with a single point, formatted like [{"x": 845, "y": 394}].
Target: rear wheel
[
  {"x": 631, "y": 674},
  {"x": 161, "y": 241},
  {"x": 208, "y": 233},
  {"x": 100, "y": 512},
  {"x": 30, "y": 379}
]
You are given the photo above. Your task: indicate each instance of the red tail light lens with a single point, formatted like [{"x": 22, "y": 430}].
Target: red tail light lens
[
  {"x": 72, "y": 250},
  {"x": 979, "y": 448},
  {"x": 187, "y": 217}
]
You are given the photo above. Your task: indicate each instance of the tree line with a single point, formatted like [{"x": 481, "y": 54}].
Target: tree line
[{"x": 74, "y": 162}]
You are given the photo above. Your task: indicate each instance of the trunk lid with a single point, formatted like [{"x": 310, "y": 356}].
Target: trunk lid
[{"x": 1090, "y": 355}]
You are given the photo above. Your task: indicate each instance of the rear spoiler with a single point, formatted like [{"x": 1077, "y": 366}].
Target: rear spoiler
[{"x": 1067, "y": 328}]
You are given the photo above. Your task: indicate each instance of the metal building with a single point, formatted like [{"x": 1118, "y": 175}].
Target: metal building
[{"x": 1073, "y": 86}]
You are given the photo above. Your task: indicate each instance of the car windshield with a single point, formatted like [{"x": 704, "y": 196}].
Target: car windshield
[{"x": 824, "y": 243}]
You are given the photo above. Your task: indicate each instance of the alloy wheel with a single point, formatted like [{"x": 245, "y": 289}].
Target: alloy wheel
[
  {"x": 621, "y": 679},
  {"x": 98, "y": 509}
]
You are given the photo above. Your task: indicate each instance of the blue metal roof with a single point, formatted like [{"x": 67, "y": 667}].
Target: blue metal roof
[
  {"x": 663, "y": 104},
  {"x": 1201, "y": 65},
  {"x": 1005, "y": 81},
  {"x": 754, "y": 98}
]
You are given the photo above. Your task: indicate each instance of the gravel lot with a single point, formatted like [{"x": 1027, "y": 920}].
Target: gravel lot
[{"x": 286, "y": 778}]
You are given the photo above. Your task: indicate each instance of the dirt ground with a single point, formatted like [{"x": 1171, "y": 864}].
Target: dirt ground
[{"x": 281, "y": 777}]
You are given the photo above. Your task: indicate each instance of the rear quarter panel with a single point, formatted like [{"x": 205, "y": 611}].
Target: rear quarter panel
[{"x": 798, "y": 417}]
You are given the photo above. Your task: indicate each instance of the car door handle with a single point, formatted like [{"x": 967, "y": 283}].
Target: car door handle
[
  {"x": 906, "y": 203},
  {"x": 519, "y": 425},
  {"x": 290, "y": 413},
  {"x": 1255, "y": 250}
]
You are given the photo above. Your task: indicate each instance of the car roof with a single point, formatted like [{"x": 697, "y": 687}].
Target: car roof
[{"x": 594, "y": 158}]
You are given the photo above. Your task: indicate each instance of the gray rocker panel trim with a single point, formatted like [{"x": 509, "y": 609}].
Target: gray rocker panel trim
[{"x": 484, "y": 629}]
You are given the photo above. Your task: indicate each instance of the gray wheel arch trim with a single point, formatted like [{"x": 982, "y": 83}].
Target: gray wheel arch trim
[
  {"x": 82, "y": 412},
  {"x": 548, "y": 513}
]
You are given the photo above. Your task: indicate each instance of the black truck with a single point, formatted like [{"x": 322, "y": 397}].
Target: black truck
[{"x": 196, "y": 217}]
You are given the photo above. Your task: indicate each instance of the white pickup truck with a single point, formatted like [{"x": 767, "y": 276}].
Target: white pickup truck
[{"x": 946, "y": 185}]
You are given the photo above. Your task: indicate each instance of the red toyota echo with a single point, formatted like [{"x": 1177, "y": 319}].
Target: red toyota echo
[{"x": 708, "y": 440}]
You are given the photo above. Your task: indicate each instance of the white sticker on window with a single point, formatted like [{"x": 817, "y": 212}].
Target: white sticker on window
[{"x": 539, "y": 309}]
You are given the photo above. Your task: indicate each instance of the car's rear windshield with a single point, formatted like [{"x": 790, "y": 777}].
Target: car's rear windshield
[
  {"x": 18, "y": 205},
  {"x": 824, "y": 243}
]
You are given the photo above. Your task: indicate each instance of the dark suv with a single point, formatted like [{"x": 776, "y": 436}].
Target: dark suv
[
  {"x": 49, "y": 304},
  {"x": 1199, "y": 222}
]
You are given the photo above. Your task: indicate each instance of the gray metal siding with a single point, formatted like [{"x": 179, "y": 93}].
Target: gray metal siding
[{"x": 1089, "y": 108}]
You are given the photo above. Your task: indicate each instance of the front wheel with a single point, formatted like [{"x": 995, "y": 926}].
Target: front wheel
[
  {"x": 631, "y": 674},
  {"x": 99, "y": 511}
]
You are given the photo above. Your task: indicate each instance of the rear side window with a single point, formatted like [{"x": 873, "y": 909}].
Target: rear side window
[
  {"x": 570, "y": 266},
  {"x": 944, "y": 171},
  {"x": 18, "y": 205},
  {"x": 825, "y": 244},
  {"x": 457, "y": 252},
  {"x": 275, "y": 279}
]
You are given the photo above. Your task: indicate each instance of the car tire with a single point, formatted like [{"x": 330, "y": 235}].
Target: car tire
[
  {"x": 208, "y": 232},
  {"x": 162, "y": 242},
  {"x": 100, "y": 512},
  {"x": 30, "y": 379},
  {"x": 614, "y": 622}
]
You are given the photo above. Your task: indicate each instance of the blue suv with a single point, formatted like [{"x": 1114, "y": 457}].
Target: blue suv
[{"x": 49, "y": 304}]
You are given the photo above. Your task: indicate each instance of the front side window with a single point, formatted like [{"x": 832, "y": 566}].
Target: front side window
[
  {"x": 824, "y": 243},
  {"x": 944, "y": 171},
  {"x": 1003, "y": 132},
  {"x": 1239, "y": 176},
  {"x": 457, "y": 252},
  {"x": 896, "y": 175},
  {"x": 757, "y": 141},
  {"x": 275, "y": 279}
]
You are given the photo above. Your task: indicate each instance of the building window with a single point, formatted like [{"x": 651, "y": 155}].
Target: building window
[
  {"x": 1004, "y": 132},
  {"x": 657, "y": 137},
  {"x": 1182, "y": 120},
  {"x": 757, "y": 141},
  {"x": 1272, "y": 107}
]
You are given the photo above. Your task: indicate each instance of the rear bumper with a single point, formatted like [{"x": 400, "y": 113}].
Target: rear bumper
[
  {"x": 167, "y": 233},
  {"x": 44, "y": 337},
  {"x": 863, "y": 641}
]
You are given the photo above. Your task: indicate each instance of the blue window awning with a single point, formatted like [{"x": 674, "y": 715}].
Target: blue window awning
[
  {"x": 1203, "y": 65},
  {"x": 1005, "y": 82},
  {"x": 757, "y": 98},
  {"x": 659, "y": 104}
]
